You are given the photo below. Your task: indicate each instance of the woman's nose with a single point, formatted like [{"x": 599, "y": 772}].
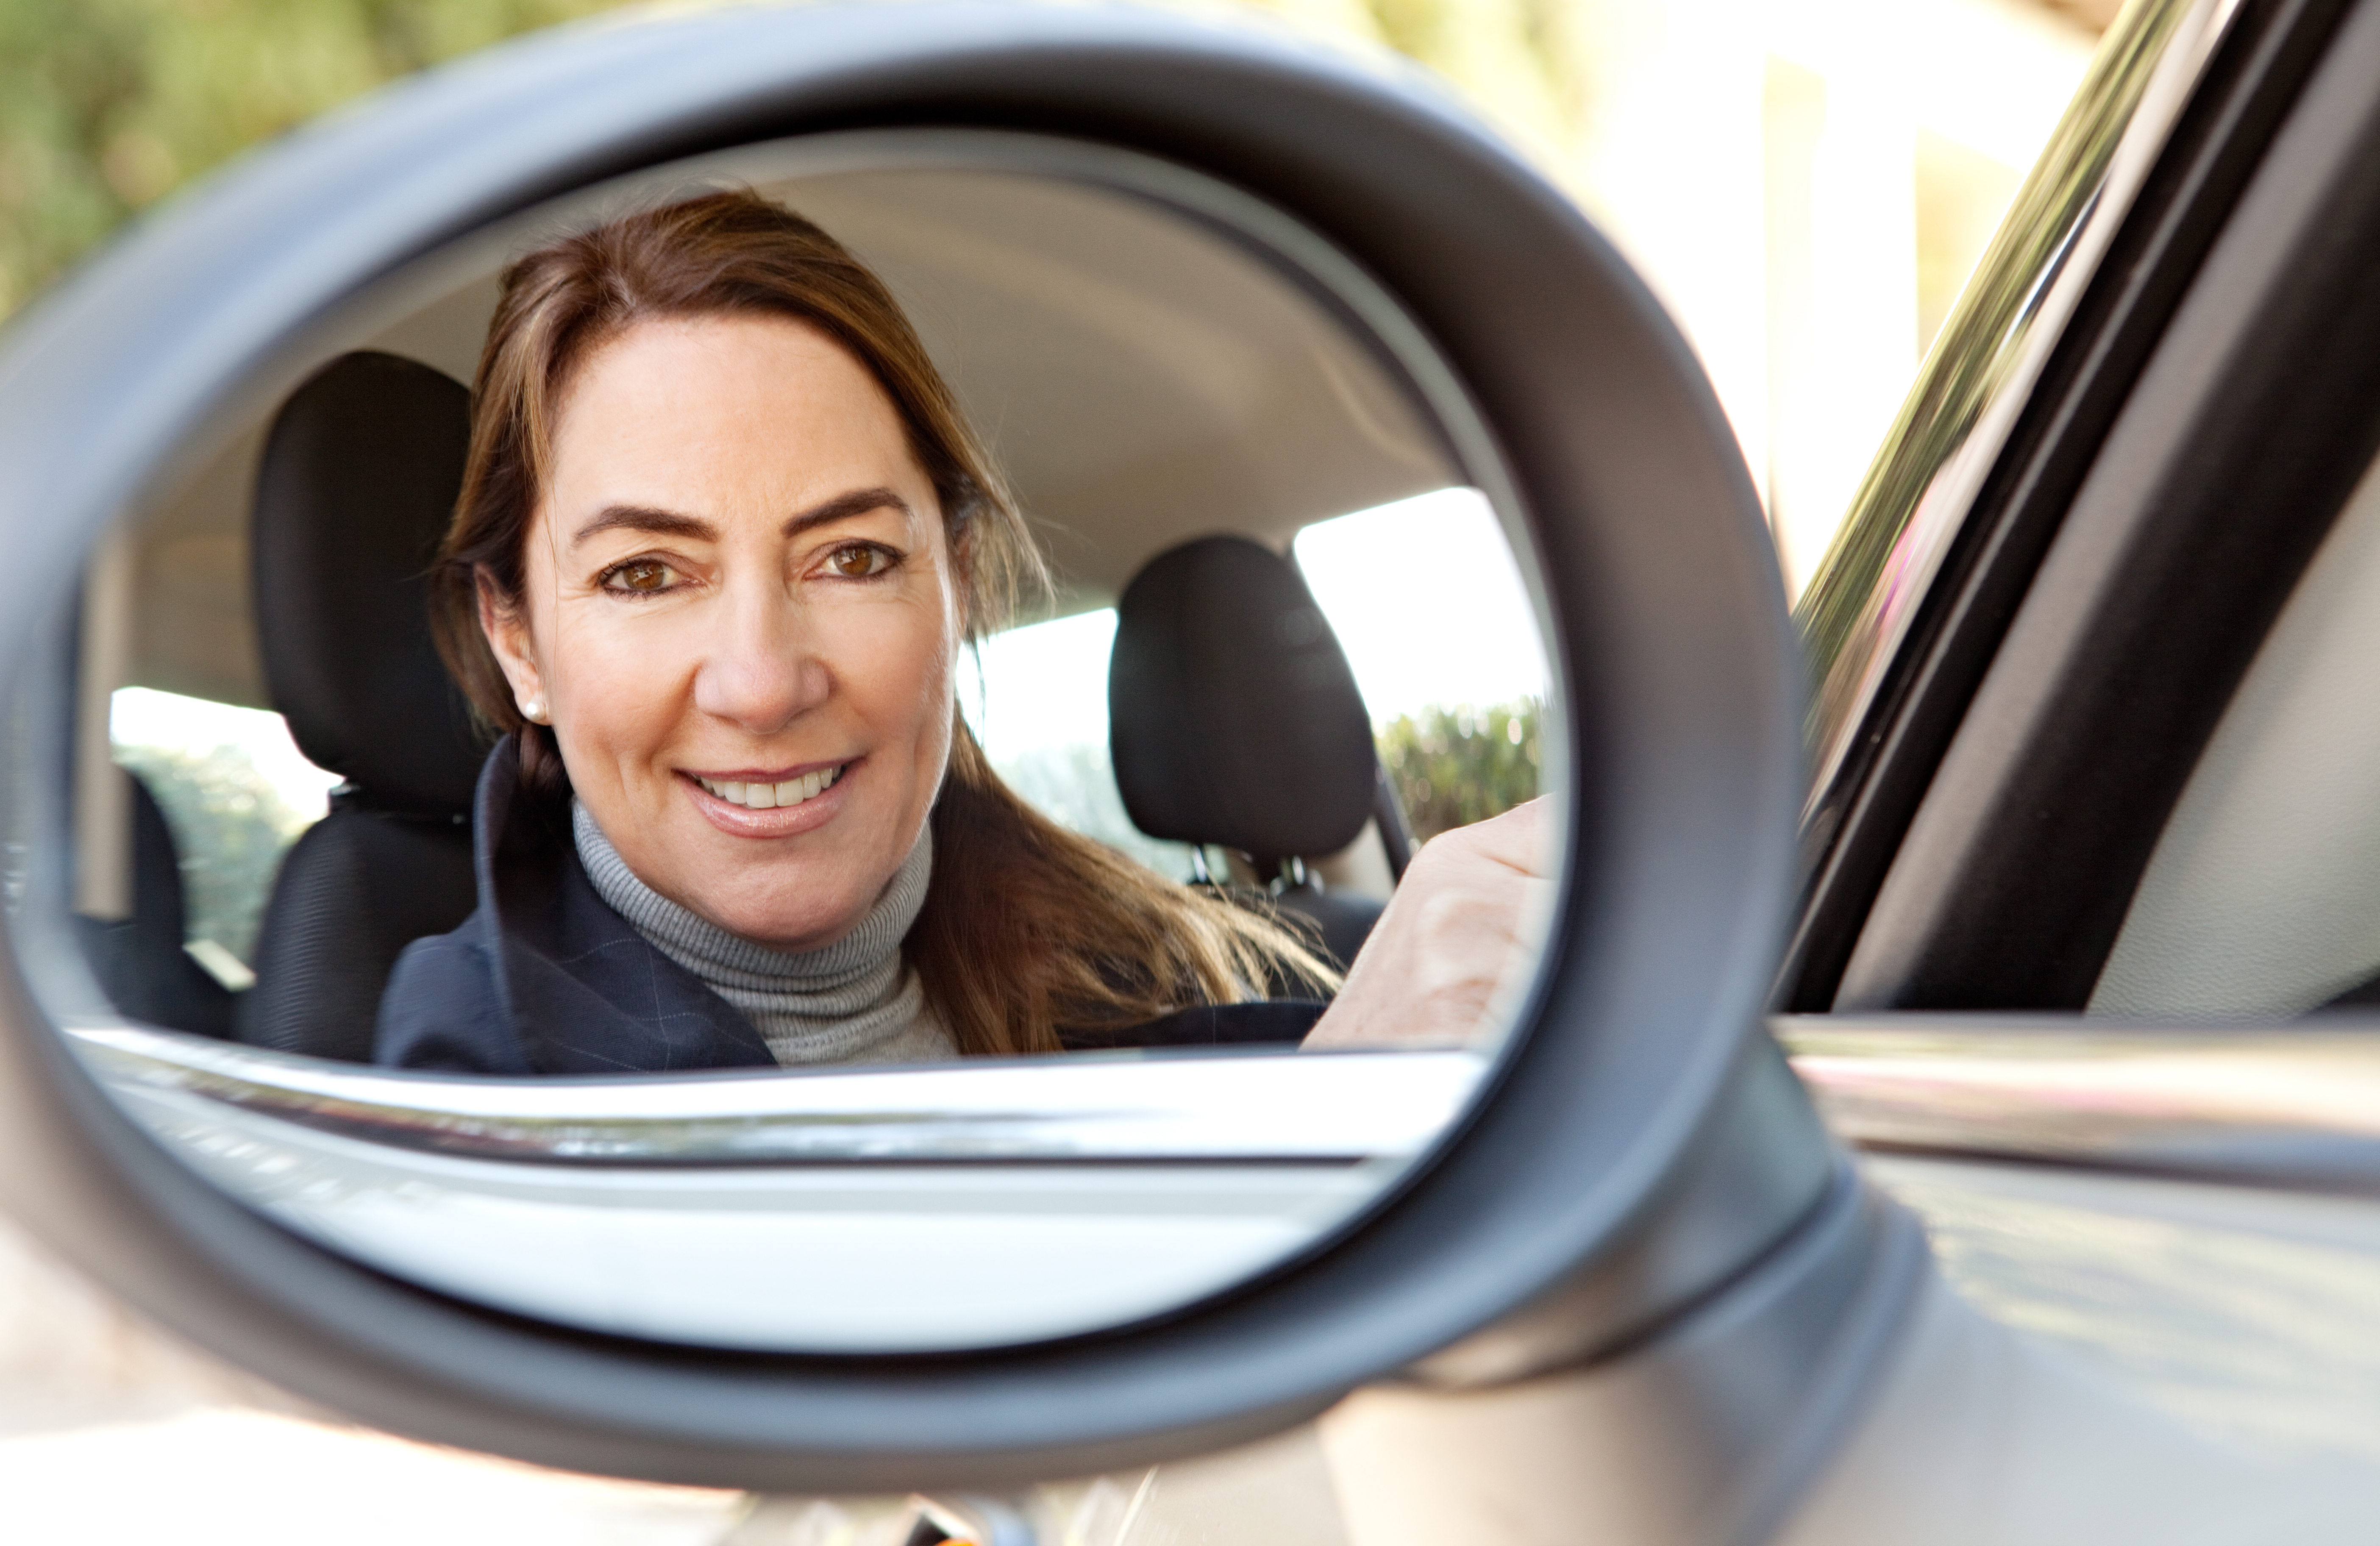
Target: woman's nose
[{"x": 763, "y": 669}]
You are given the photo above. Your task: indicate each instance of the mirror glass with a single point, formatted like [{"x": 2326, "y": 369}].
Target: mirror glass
[{"x": 1051, "y": 977}]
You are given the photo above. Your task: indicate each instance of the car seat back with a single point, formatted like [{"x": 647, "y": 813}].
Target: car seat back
[
  {"x": 358, "y": 479},
  {"x": 139, "y": 960},
  {"x": 1234, "y": 720}
]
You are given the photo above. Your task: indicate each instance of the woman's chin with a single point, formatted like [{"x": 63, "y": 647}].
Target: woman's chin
[
  {"x": 765, "y": 887},
  {"x": 765, "y": 922}
]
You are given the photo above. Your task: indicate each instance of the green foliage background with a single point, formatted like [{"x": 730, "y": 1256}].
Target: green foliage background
[
  {"x": 231, "y": 826},
  {"x": 1457, "y": 766},
  {"x": 107, "y": 106}
]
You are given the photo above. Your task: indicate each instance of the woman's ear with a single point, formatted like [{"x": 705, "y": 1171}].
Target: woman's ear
[
  {"x": 505, "y": 624},
  {"x": 963, "y": 580}
]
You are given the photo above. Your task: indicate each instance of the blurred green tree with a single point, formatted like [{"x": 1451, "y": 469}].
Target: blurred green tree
[
  {"x": 1456, "y": 766},
  {"x": 107, "y": 106},
  {"x": 231, "y": 827}
]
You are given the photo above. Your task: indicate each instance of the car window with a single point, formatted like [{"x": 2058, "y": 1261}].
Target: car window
[
  {"x": 1456, "y": 707},
  {"x": 1429, "y": 605},
  {"x": 1861, "y": 603},
  {"x": 235, "y": 793},
  {"x": 1037, "y": 698}
]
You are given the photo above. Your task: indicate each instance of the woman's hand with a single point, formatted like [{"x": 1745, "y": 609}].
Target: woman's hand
[{"x": 1452, "y": 932}]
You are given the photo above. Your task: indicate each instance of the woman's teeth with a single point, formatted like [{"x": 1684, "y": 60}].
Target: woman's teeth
[{"x": 769, "y": 796}]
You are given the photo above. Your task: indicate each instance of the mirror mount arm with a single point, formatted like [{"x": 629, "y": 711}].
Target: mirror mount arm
[
  {"x": 1773, "y": 1252},
  {"x": 1822, "y": 1316}
]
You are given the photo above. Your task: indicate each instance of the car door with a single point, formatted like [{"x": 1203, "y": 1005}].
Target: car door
[{"x": 2085, "y": 914}]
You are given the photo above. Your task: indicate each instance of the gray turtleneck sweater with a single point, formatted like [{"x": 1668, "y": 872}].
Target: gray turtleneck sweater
[{"x": 856, "y": 1001}]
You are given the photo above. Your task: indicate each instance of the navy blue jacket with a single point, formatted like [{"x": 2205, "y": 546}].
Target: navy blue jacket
[{"x": 545, "y": 977}]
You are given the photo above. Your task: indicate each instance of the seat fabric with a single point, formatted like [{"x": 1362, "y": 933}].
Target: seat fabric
[
  {"x": 139, "y": 960},
  {"x": 1235, "y": 721},
  {"x": 356, "y": 890},
  {"x": 359, "y": 480}
]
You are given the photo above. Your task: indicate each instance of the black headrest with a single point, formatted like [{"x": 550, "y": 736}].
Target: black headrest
[
  {"x": 1232, "y": 717},
  {"x": 358, "y": 479}
]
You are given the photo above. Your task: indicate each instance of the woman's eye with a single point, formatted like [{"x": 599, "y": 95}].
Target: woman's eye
[
  {"x": 639, "y": 575},
  {"x": 858, "y": 563}
]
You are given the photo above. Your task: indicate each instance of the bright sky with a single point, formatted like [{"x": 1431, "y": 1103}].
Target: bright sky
[
  {"x": 143, "y": 716},
  {"x": 1426, "y": 599},
  {"x": 1424, "y": 595},
  {"x": 1041, "y": 685}
]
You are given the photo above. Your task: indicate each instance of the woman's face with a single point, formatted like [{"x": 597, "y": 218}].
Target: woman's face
[{"x": 741, "y": 613}]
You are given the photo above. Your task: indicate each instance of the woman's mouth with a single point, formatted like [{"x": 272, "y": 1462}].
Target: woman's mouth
[{"x": 774, "y": 796}]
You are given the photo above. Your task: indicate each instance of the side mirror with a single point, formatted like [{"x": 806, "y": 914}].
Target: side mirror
[{"x": 1637, "y": 1141}]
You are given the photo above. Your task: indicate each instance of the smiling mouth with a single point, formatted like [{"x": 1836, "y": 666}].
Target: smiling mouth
[{"x": 772, "y": 797}]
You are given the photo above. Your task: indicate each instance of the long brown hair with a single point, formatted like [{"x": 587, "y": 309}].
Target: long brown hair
[{"x": 1027, "y": 928}]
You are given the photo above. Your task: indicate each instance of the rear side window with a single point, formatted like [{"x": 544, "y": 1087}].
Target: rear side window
[{"x": 1429, "y": 603}]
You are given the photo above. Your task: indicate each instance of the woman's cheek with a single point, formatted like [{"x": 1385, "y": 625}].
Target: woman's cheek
[
  {"x": 896, "y": 663},
  {"x": 628, "y": 668}
]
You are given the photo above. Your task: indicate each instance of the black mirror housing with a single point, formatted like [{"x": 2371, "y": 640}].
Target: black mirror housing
[{"x": 1640, "y": 1072}]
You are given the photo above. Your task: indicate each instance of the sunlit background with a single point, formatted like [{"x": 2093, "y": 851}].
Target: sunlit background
[{"x": 1806, "y": 183}]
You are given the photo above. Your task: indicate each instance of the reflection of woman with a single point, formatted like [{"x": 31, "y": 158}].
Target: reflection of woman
[{"x": 721, "y": 537}]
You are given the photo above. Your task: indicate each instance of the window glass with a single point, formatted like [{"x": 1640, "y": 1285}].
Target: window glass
[
  {"x": 1993, "y": 342},
  {"x": 1037, "y": 698},
  {"x": 235, "y": 793},
  {"x": 1428, "y": 602}
]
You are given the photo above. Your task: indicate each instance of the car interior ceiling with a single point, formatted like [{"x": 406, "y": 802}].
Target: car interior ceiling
[{"x": 1142, "y": 380}]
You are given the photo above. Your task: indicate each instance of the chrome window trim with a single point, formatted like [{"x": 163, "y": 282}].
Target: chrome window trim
[
  {"x": 815, "y": 1210},
  {"x": 1974, "y": 382},
  {"x": 1248, "y": 1106},
  {"x": 2290, "y": 1106}
]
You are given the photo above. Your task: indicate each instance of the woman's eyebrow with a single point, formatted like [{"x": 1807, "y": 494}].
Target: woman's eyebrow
[
  {"x": 641, "y": 518},
  {"x": 670, "y": 523},
  {"x": 842, "y": 506}
]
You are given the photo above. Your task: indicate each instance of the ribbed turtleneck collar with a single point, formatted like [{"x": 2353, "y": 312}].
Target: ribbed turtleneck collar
[{"x": 855, "y": 1001}]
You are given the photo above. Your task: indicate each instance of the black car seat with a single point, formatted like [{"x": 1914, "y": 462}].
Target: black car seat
[
  {"x": 358, "y": 479},
  {"x": 1235, "y": 721},
  {"x": 139, "y": 960}
]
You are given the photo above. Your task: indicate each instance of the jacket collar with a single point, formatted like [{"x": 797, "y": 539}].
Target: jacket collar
[{"x": 584, "y": 991}]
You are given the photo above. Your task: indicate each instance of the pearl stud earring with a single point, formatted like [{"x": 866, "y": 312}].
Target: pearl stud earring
[{"x": 534, "y": 710}]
